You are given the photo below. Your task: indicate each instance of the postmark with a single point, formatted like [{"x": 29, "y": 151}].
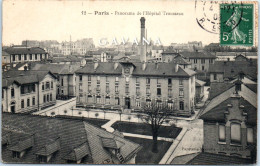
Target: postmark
[
  {"x": 237, "y": 24},
  {"x": 207, "y": 15}
]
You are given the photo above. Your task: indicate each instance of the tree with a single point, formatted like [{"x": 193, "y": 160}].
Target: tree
[{"x": 155, "y": 115}]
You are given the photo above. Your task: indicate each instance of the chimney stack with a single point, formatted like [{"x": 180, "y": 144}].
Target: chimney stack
[
  {"x": 95, "y": 65},
  {"x": 142, "y": 47},
  {"x": 176, "y": 67}
]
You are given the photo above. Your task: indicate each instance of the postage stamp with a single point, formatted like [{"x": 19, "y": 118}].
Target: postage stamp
[{"x": 237, "y": 24}]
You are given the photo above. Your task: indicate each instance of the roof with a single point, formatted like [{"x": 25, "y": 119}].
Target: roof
[
  {"x": 57, "y": 68},
  {"x": 232, "y": 68},
  {"x": 78, "y": 153},
  {"x": 217, "y": 88},
  {"x": 151, "y": 69},
  {"x": 217, "y": 159},
  {"x": 22, "y": 145},
  {"x": 25, "y": 50},
  {"x": 70, "y": 58},
  {"x": 69, "y": 133},
  {"x": 23, "y": 77},
  {"x": 180, "y": 60},
  {"x": 215, "y": 109},
  {"x": 196, "y": 54},
  {"x": 200, "y": 83}
]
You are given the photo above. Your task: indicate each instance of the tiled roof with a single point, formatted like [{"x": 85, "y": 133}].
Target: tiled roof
[
  {"x": 214, "y": 110},
  {"x": 4, "y": 53},
  {"x": 22, "y": 144},
  {"x": 78, "y": 153},
  {"x": 151, "y": 69},
  {"x": 23, "y": 77},
  {"x": 72, "y": 134},
  {"x": 252, "y": 87},
  {"x": 25, "y": 50},
  {"x": 201, "y": 55},
  {"x": 57, "y": 68},
  {"x": 49, "y": 148},
  {"x": 217, "y": 159},
  {"x": 127, "y": 148},
  {"x": 217, "y": 88},
  {"x": 232, "y": 68}
]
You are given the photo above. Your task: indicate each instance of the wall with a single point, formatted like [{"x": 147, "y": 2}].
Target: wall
[{"x": 220, "y": 77}]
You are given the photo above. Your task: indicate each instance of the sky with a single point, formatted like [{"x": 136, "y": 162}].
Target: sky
[{"x": 60, "y": 19}]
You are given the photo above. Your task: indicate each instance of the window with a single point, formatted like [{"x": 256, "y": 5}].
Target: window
[
  {"x": 210, "y": 60},
  {"x": 170, "y": 104},
  {"x": 148, "y": 102},
  {"x": 203, "y": 61},
  {"x": 25, "y": 57},
  {"x": 35, "y": 56},
  {"x": 159, "y": 91},
  {"x": 137, "y": 90},
  {"x": 28, "y": 102},
  {"x": 127, "y": 79},
  {"x": 62, "y": 92},
  {"x": 16, "y": 154},
  {"x": 98, "y": 79},
  {"x": 159, "y": 103},
  {"x": 137, "y": 80},
  {"x": 62, "y": 82},
  {"x": 20, "y": 57},
  {"x": 117, "y": 101},
  {"x": 2, "y": 93},
  {"x": 195, "y": 60},
  {"x": 12, "y": 92},
  {"x": 30, "y": 56},
  {"x": 52, "y": 85},
  {"x": 22, "y": 90},
  {"x": 44, "y": 98},
  {"x": 22, "y": 104},
  {"x": 127, "y": 89},
  {"x": 98, "y": 88},
  {"x": 203, "y": 68},
  {"x": 116, "y": 89},
  {"x": 215, "y": 76},
  {"x": 107, "y": 87},
  {"x": 50, "y": 97},
  {"x": 181, "y": 92},
  {"x": 148, "y": 89},
  {"x": 169, "y": 81},
  {"x": 13, "y": 58},
  {"x": 90, "y": 100},
  {"x": 235, "y": 133},
  {"x": 180, "y": 82},
  {"x": 181, "y": 105},
  {"x": 222, "y": 133},
  {"x": 117, "y": 79},
  {"x": 89, "y": 88},
  {"x": 47, "y": 85},
  {"x": 250, "y": 138},
  {"x": 33, "y": 101},
  {"x": 169, "y": 92},
  {"x": 107, "y": 100},
  {"x": 107, "y": 79},
  {"x": 89, "y": 78},
  {"x": 98, "y": 99},
  {"x": 147, "y": 80},
  {"x": 43, "y": 86}
]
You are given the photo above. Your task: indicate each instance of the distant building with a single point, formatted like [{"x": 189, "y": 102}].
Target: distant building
[
  {"x": 199, "y": 90},
  {"x": 35, "y": 139},
  {"x": 70, "y": 59},
  {"x": 18, "y": 54},
  {"x": 103, "y": 54},
  {"x": 133, "y": 85},
  {"x": 66, "y": 77},
  {"x": 27, "y": 91},
  {"x": 200, "y": 61},
  {"x": 80, "y": 47},
  {"x": 226, "y": 71}
]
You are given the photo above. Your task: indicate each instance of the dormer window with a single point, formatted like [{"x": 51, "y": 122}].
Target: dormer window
[
  {"x": 46, "y": 153},
  {"x": 78, "y": 155},
  {"x": 16, "y": 154}
]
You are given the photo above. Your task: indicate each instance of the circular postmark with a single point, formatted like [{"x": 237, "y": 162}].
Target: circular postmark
[
  {"x": 209, "y": 18},
  {"x": 207, "y": 15}
]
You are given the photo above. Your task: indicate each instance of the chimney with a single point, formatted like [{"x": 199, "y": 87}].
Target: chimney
[
  {"x": 176, "y": 67},
  {"x": 142, "y": 47},
  {"x": 95, "y": 65},
  {"x": 143, "y": 66},
  {"x": 115, "y": 65}
]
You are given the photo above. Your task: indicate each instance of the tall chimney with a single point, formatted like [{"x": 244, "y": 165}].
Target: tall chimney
[{"x": 142, "y": 47}]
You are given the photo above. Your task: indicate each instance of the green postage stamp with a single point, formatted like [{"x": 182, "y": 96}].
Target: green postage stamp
[{"x": 237, "y": 24}]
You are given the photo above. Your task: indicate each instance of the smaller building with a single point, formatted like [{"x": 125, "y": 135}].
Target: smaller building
[
  {"x": 27, "y": 91},
  {"x": 18, "y": 54}
]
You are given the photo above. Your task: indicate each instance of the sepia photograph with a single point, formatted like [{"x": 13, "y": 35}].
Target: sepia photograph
[{"x": 129, "y": 82}]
